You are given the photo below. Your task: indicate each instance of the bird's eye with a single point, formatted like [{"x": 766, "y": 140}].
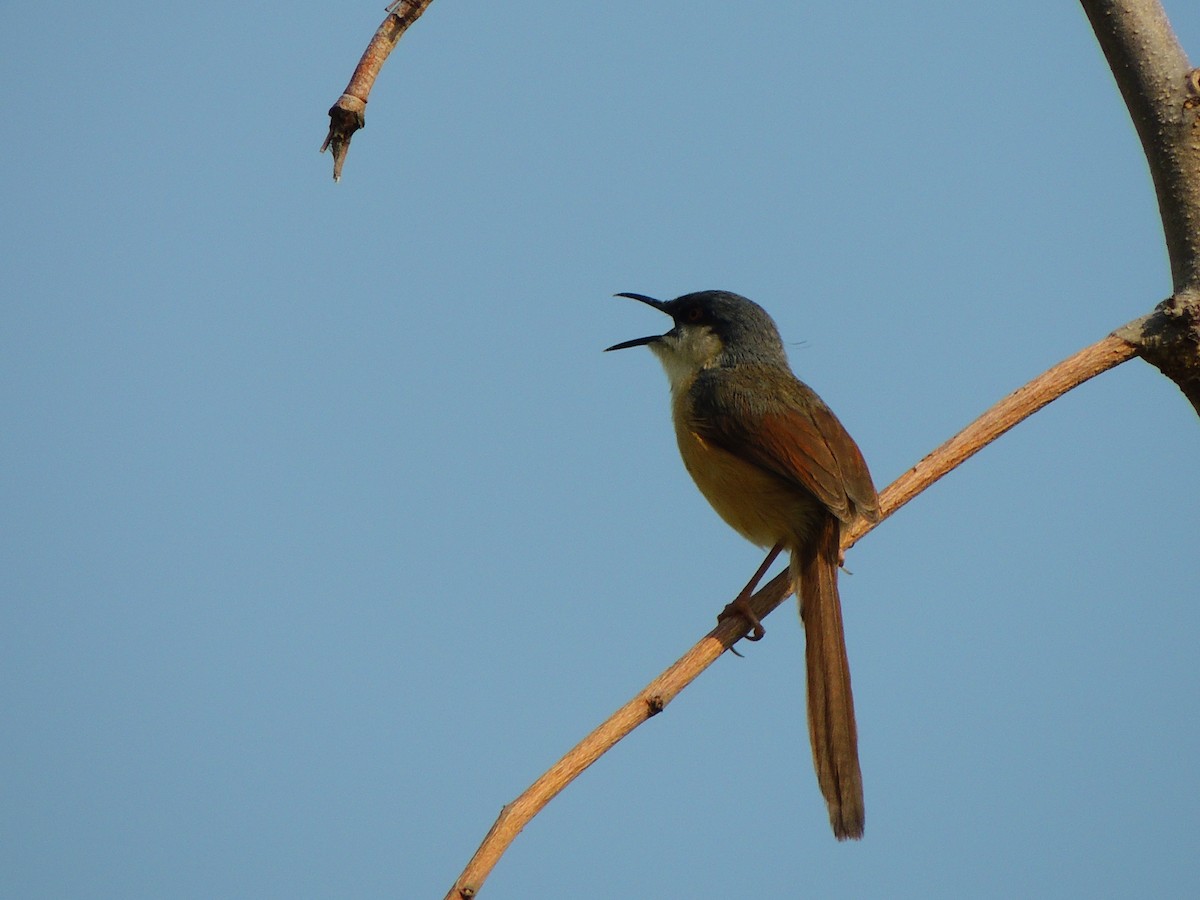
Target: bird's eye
[{"x": 695, "y": 314}]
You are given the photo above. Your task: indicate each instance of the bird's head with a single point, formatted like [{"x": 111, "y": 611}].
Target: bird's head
[{"x": 712, "y": 328}]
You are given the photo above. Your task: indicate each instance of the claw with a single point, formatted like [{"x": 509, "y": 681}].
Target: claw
[
  {"x": 741, "y": 607},
  {"x": 741, "y": 604}
]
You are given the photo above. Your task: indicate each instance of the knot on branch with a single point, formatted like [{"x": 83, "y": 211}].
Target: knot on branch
[
  {"x": 1193, "y": 91},
  {"x": 1169, "y": 339}
]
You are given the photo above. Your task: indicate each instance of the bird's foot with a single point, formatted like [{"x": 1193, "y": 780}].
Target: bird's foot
[{"x": 741, "y": 607}]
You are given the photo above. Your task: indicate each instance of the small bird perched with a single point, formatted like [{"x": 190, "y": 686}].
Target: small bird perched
[{"x": 779, "y": 468}]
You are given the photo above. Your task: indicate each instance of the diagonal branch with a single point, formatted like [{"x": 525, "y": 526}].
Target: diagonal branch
[
  {"x": 1013, "y": 409},
  {"x": 653, "y": 698}
]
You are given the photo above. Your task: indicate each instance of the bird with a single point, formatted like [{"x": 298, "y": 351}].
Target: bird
[{"x": 776, "y": 464}]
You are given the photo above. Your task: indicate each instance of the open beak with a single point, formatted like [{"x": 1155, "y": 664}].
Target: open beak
[{"x": 642, "y": 341}]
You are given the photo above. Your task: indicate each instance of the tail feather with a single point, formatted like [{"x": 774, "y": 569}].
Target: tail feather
[{"x": 830, "y": 704}]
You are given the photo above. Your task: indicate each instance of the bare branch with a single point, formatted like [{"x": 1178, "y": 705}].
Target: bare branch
[
  {"x": 1162, "y": 93},
  {"x": 350, "y": 112},
  {"x": 651, "y": 700},
  {"x": 1017, "y": 406},
  {"x": 1154, "y": 77}
]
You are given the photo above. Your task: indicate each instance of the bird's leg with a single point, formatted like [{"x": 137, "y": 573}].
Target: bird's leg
[{"x": 740, "y": 606}]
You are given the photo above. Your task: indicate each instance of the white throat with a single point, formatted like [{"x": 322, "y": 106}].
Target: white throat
[{"x": 685, "y": 353}]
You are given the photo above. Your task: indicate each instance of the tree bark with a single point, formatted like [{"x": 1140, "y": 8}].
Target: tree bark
[{"x": 1162, "y": 92}]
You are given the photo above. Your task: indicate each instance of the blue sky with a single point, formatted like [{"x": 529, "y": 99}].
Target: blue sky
[{"x": 327, "y": 526}]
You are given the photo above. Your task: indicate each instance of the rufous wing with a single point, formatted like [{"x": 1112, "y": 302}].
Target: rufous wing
[{"x": 792, "y": 434}]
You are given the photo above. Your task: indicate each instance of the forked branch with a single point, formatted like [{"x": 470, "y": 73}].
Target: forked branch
[{"x": 1162, "y": 92}]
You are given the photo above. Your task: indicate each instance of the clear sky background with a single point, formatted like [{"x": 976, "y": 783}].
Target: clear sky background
[{"x": 327, "y": 526}]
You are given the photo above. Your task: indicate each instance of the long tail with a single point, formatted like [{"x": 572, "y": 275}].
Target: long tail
[{"x": 830, "y": 703}]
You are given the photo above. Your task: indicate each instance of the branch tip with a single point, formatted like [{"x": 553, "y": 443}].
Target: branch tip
[{"x": 348, "y": 114}]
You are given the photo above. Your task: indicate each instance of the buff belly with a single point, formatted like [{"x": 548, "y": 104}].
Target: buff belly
[{"x": 760, "y": 506}]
